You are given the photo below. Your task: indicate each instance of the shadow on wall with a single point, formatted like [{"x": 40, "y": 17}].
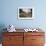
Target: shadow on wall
[{"x": 2, "y": 26}]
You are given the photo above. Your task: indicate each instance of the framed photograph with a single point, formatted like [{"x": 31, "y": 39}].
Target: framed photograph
[{"x": 25, "y": 13}]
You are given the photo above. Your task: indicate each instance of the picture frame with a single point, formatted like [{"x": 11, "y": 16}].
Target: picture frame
[{"x": 25, "y": 13}]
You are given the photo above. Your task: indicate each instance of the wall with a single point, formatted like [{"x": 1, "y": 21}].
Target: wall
[{"x": 9, "y": 13}]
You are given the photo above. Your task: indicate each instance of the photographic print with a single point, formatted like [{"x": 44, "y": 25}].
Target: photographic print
[{"x": 25, "y": 13}]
